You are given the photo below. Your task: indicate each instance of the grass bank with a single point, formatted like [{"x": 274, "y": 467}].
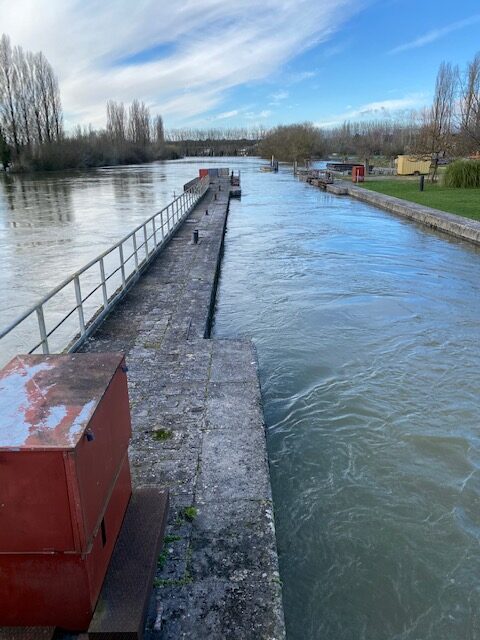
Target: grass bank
[{"x": 463, "y": 202}]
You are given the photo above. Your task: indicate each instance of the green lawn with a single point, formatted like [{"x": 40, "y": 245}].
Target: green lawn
[{"x": 464, "y": 202}]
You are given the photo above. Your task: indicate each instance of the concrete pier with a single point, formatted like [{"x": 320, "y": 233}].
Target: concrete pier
[{"x": 199, "y": 430}]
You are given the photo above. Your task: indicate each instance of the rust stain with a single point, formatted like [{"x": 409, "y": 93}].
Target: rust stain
[{"x": 48, "y": 401}]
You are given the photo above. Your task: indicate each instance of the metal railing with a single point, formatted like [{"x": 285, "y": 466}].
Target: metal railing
[{"x": 108, "y": 277}]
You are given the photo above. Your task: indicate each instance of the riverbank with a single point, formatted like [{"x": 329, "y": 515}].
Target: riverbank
[
  {"x": 462, "y": 202},
  {"x": 199, "y": 430},
  {"x": 454, "y": 225}
]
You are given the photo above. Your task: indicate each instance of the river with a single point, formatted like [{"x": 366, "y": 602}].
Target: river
[{"x": 367, "y": 329}]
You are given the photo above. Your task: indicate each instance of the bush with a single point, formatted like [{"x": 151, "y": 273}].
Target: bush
[
  {"x": 293, "y": 142},
  {"x": 463, "y": 174}
]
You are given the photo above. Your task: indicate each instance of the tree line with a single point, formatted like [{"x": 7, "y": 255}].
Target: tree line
[
  {"x": 234, "y": 141},
  {"x": 30, "y": 106},
  {"x": 32, "y": 133}
]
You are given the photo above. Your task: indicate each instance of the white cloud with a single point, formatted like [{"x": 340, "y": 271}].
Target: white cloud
[
  {"x": 374, "y": 110},
  {"x": 436, "y": 34},
  {"x": 216, "y": 45},
  {"x": 227, "y": 114},
  {"x": 280, "y": 95},
  {"x": 260, "y": 115}
]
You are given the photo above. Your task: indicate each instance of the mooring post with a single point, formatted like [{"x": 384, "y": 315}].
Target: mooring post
[
  {"x": 195, "y": 236},
  {"x": 206, "y": 212}
]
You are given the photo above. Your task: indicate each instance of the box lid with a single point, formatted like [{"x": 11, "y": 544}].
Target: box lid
[{"x": 46, "y": 402}]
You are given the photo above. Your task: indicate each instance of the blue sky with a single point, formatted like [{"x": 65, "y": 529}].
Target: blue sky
[{"x": 208, "y": 63}]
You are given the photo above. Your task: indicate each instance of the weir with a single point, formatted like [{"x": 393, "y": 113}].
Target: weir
[{"x": 198, "y": 429}]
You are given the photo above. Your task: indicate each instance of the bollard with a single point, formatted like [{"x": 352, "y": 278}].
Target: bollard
[
  {"x": 195, "y": 236},
  {"x": 422, "y": 183},
  {"x": 215, "y": 196},
  {"x": 206, "y": 212},
  {"x": 219, "y": 187}
]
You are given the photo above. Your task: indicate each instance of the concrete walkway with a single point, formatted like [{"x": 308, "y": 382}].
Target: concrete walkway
[{"x": 199, "y": 430}]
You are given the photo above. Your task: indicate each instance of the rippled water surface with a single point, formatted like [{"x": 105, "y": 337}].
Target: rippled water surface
[{"x": 367, "y": 329}]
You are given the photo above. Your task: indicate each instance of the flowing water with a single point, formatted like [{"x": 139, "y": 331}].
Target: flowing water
[
  {"x": 54, "y": 223},
  {"x": 367, "y": 329}
]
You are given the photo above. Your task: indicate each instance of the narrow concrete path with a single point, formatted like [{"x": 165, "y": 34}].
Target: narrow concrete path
[{"x": 199, "y": 430}]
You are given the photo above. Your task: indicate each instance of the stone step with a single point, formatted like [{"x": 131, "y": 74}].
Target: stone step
[{"x": 122, "y": 605}]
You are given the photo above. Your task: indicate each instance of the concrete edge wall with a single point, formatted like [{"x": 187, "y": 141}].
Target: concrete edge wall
[
  {"x": 218, "y": 269},
  {"x": 277, "y": 605},
  {"x": 449, "y": 223}
]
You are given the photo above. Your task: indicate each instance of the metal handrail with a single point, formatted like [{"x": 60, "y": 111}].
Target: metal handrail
[{"x": 169, "y": 218}]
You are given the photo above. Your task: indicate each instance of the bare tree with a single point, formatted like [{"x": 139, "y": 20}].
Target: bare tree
[
  {"x": 25, "y": 96},
  {"x": 139, "y": 124},
  {"x": 7, "y": 92},
  {"x": 293, "y": 142},
  {"x": 470, "y": 106},
  {"x": 159, "y": 133},
  {"x": 435, "y": 137},
  {"x": 117, "y": 122}
]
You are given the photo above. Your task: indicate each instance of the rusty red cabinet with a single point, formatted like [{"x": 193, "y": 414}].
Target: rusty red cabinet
[{"x": 64, "y": 484}]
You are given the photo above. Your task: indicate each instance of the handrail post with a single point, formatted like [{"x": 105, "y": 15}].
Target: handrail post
[
  {"x": 154, "y": 232},
  {"x": 135, "y": 251},
  {"x": 146, "y": 242},
  {"x": 42, "y": 329},
  {"x": 78, "y": 296},
  {"x": 104, "y": 284},
  {"x": 161, "y": 224},
  {"x": 122, "y": 264}
]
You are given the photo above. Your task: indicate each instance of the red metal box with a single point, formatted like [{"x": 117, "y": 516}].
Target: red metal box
[
  {"x": 358, "y": 173},
  {"x": 64, "y": 484}
]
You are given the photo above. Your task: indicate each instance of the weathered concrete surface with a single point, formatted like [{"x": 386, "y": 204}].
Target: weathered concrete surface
[
  {"x": 450, "y": 223},
  {"x": 337, "y": 189},
  {"x": 199, "y": 430}
]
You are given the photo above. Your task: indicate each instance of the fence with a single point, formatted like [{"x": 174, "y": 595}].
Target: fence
[{"x": 106, "y": 279}]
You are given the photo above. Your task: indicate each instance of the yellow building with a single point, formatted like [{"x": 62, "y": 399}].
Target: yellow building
[{"x": 411, "y": 165}]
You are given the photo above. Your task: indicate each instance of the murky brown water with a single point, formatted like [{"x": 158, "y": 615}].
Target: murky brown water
[
  {"x": 53, "y": 224},
  {"x": 367, "y": 329}
]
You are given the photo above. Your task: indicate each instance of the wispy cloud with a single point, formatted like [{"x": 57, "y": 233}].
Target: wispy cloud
[
  {"x": 436, "y": 34},
  {"x": 279, "y": 96},
  {"x": 258, "y": 115},
  {"x": 181, "y": 58},
  {"x": 227, "y": 114},
  {"x": 379, "y": 109}
]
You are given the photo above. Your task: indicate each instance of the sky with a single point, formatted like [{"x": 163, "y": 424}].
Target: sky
[{"x": 211, "y": 63}]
